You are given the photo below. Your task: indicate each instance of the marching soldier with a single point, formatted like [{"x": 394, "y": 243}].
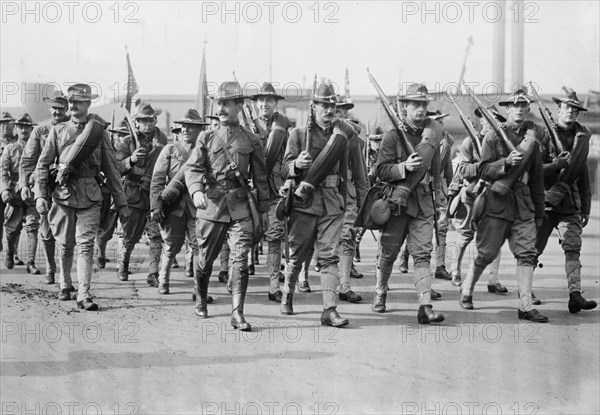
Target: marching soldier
[
  {"x": 17, "y": 211},
  {"x": 317, "y": 158},
  {"x": 216, "y": 176},
  {"x": 137, "y": 157},
  {"x": 58, "y": 105},
  {"x": 275, "y": 126},
  {"x": 6, "y": 136},
  {"x": 356, "y": 188},
  {"x": 413, "y": 213},
  {"x": 175, "y": 212},
  {"x": 108, "y": 215},
  {"x": 468, "y": 173},
  {"x": 568, "y": 198},
  {"x": 513, "y": 201},
  {"x": 80, "y": 148}
]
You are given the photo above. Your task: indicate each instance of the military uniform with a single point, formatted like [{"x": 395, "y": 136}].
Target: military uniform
[
  {"x": 442, "y": 202},
  {"x": 227, "y": 212},
  {"x": 512, "y": 215},
  {"x": 75, "y": 212},
  {"x": 18, "y": 213},
  {"x": 412, "y": 219},
  {"x": 567, "y": 215},
  {"x": 136, "y": 183},
  {"x": 6, "y": 120}
]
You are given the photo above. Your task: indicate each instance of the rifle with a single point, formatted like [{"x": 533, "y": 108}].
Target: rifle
[
  {"x": 394, "y": 118},
  {"x": 131, "y": 126},
  {"x": 548, "y": 121},
  {"x": 468, "y": 126},
  {"x": 490, "y": 119},
  {"x": 311, "y": 116}
]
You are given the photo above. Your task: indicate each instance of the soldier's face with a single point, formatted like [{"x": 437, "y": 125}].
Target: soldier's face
[
  {"x": 567, "y": 114},
  {"x": 79, "y": 109},
  {"x": 214, "y": 124},
  {"x": 190, "y": 132},
  {"x": 324, "y": 113},
  {"x": 341, "y": 113},
  {"x": 267, "y": 106},
  {"x": 146, "y": 125},
  {"x": 416, "y": 111},
  {"x": 23, "y": 131},
  {"x": 58, "y": 113},
  {"x": 228, "y": 111},
  {"x": 517, "y": 112},
  {"x": 6, "y": 129}
]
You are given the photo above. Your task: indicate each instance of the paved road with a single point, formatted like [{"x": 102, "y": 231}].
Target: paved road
[{"x": 142, "y": 353}]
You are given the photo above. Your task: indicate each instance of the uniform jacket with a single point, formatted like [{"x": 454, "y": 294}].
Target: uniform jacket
[
  {"x": 579, "y": 197},
  {"x": 445, "y": 158},
  {"x": 137, "y": 178},
  {"x": 82, "y": 189},
  {"x": 328, "y": 200},
  {"x": 169, "y": 162},
  {"x": 391, "y": 166},
  {"x": 357, "y": 183},
  {"x": 9, "y": 167},
  {"x": 208, "y": 170},
  {"x": 524, "y": 200},
  {"x": 277, "y": 129}
]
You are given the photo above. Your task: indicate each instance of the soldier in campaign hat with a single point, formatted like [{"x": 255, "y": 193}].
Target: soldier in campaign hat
[
  {"x": 81, "y": 148},
  {"x": 412, "y": 218},
  {"x": 16, "y": 212},
  {"x": 274, "y": 126},
  {"x": 513, "y": 202},
  {"x": 174, "y": 209},
  {"x": 6, "y": 136},
  {"x": 137, "y": 156},
  {"x": 216, "y": 176},
  {"x": 467, "y": 176},
  {"x": 316, "y": 159},
  {"x": 58, "y": 106},
  {"x": 568, "y": 195}
]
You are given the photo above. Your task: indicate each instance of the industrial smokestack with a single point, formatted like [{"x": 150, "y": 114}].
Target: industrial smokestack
[
  {"x": 498, "y": 48},
  {"x": 518, "y": 47}
]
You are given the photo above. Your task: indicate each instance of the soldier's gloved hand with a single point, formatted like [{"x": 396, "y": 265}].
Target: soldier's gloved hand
[
  {"x": 304, "y": 161},
  {"x": 514, "y": 158},
  {"x": 200, "y": 200},
  {"x": 138, "y": 156},
  {"x": 6, "y": 196},
  {"x": 585, "y": 218},
  {"x": 124, "y": 213},
  {"x": 157, "y": 215},
  {"x": 413, "y": 162},
  {"x": 562, "y": 161},
  {"x": 26, "y": 195},
  {"x": 172, "y": 191},
  {"x": 41, "y": 205}
]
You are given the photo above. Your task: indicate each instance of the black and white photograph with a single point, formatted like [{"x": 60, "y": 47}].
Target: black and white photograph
[{"x": 300, "y": 207}]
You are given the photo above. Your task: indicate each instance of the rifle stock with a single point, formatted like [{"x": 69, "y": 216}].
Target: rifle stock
[{"x": 465, "y": 121}]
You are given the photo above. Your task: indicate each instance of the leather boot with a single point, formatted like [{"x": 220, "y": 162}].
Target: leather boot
[
  {"x": 239, "y": 286},
  {"x": 123, "y": 271},
  {"x": 578, "y": 303},
  {"x": 164, "y": 273},
  {"x": 330, "y": 317},
  {"x": 426, "y": 315},
  {"x": 50, "y": 252},
  {"x": 273, "y": 267},
  {"x": 10, "y": 250},
  {"x": 201, "y": 281},
  {"x": 403, "y": 267},
  {"x": 101, "y": 253},
  {"x": 287, "y": 307},
  {"x": 381, "y": 288},
  {"x": 189, "y": 264},
  {"x": 65, "y": 256},
  {"x": 455, "y": 270},
  {"x": 32, "y": 240},
  {"x": 468, "y": 286}
]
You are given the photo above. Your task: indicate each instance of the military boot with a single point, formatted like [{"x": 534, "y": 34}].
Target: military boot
[
  {"x": 50, "y": 252},
  {"x": 201, "y": 281},
  {"x": 189, "y": 264},
  {"x": 16, "y": 250},
  {"x": 32, "y": 240},
  {"x": 578, "y": 303},
  {"x": 123, "y": 271},
  {"x": 273, "y": 266},
  {"x": 239, "y": 286},
  {"x": 10, "y": 250},
  {"x": 164, "y": 273}
]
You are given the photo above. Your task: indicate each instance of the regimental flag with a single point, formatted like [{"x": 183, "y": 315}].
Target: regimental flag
[
  {"x": 202, "y": 97},
  {"x": 133, "y": 95}
]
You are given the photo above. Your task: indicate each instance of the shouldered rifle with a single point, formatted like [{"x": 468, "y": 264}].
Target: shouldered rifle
[
  {"x": 490, "y": 119},
  {"x": 548, "y": 121},
  {"x": 468, "y": 126},
  {"x": 394, "y": 118},
  {"x": 131, "y": 125}
]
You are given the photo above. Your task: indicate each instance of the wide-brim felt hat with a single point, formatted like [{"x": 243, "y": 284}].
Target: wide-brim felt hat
[
  {"x": 267, "y": 90},
  {"x": 80, "y": 92},
  {"x": 492, "y": 108},
  {"x": 57, "y": 99},
  {"x": 6, "y": 117},
  {"x": 416, "y": 92},
  {"x": 25, "y": 119},
  {"x": 325, "y": 94},
  {"x": 146, "y": 111},
  {"x": 520, "y": 95},
  {"x": 436, "y": 115},
  {"x": 344, "y": 102},
  {"x": 570, "y": 99},
  {"x": 229, "y": 90},
  {"x": 191, "y": 117}
]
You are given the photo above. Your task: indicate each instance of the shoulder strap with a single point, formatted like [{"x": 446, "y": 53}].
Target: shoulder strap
[{"x": 234, "y": 165}]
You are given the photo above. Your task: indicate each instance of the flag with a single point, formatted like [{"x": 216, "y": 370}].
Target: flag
[
  {"x": 133, "y": 95},
  {"x": 202, "y": 96}
]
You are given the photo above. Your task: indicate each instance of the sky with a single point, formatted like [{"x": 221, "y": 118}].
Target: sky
[{"x": 402, "y": 41}]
